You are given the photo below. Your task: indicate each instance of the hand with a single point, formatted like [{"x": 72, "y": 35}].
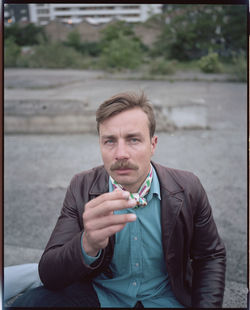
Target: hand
[{"x": 100, "y": 222}]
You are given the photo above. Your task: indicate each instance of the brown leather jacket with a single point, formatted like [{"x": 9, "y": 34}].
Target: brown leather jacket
[{"x": 195, "y": 255}]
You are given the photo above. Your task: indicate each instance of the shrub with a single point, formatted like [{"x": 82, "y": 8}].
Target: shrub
[
  {"x": 240, "y": 70},
  {"x": 113, "y": 31},
  {"x": 122, "y": 52},
  {"x": 23, "y": 61},
  {"x": 74, "y": 40},
  {"x": 86, "y": 48},
  {"x": 11, "y": 52},
  {"x": 162, "y": 67},
  {"x": 121, "y": 48},
  {"x": 54, "y": 55},
  {"x": 91, "y": 48},
  {"x": 210, "y": 63}
]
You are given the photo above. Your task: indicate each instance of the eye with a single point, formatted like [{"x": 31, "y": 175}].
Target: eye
[
  {"x": 109, "y": 142},
  {"x": 134, "y": 140}
]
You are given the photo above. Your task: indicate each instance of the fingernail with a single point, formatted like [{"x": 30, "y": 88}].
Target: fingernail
[
  {"x": 132, "y": 202},
  {"x": 132, "y": 216},
  {"x": 125, "y": 194}
]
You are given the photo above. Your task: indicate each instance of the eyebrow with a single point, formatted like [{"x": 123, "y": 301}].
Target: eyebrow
[
  {"x": 130, "y": 135},
  {"x": 134, "y": 134},
  {"x": 107, "y": 137}
]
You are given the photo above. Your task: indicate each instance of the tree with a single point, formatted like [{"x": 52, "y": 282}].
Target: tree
[
  {"x": 190, "y": 31},
  {"x": 26, "y": 35},
  {"x": 234, "y": 30}
]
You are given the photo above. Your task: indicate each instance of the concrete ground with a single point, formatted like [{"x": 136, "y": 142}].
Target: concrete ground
[{"x": 38, "y": 168}]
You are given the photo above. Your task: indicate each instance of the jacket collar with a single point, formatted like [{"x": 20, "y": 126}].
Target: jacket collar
[{"x": 167, "y": 180}]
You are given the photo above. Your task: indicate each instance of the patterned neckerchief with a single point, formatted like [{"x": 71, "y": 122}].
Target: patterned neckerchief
[{"x": 142, "y": 192}]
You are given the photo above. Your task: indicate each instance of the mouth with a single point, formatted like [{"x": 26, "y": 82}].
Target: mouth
[{"x": 123, "y": 170}]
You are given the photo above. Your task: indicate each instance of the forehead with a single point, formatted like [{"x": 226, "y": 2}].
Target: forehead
[{"x": 126, "y": 121}]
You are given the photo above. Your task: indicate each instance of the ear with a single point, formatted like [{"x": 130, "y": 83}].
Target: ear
[{"x": 154, "y": 141}]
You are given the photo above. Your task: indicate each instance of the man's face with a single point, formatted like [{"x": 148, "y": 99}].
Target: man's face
[{"x": 127, "y": 148}]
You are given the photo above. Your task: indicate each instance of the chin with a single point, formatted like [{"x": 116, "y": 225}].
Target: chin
[{"x": 123, "y": 179}]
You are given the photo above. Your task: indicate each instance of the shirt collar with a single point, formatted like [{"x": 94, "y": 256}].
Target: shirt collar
[{"x": 155, "y": 187}]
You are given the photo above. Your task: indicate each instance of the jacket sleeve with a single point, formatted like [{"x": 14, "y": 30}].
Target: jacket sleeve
[
  {"x": 208, "y": 255},
  {"x": 62, "y": 262}
]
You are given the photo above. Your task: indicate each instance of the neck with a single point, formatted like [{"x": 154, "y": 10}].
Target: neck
[{"x": 132, "y": 189}]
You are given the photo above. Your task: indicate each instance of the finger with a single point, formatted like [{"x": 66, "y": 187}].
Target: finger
[
  {"x": 108, "y": 207},
  {"x": 107, "y": 232},
  {"x": 116, "y": 194},
  {"x": 110, "y": 220}
]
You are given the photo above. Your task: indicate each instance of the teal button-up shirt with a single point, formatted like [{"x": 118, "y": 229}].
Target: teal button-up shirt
[{"x": 139, "y": 271}]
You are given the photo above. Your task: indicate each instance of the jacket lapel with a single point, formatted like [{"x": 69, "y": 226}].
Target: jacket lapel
[
  {"x": 170, "y": 209},
  {"x": 171, "y": 203},
  {"x": 101, "y": 183}
]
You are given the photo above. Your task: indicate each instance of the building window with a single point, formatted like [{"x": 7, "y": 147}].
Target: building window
[
  {"x": 42, "y": 11},
  {"x": 97, "y": 8},
  {"x": 65, "y": 16},
  {"x": 62, "y": 9},
  {"x": 104, "y": 15},
  {"x": 131, "y": 15},
  {"x": 108, "y": 8},
  {"x": 105, "y": 8},
  {"x": 130, "y": 7}
]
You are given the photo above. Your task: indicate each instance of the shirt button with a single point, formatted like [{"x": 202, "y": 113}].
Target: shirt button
[
  {"x": 134, "y": 283},
  {"x": 137, "y": 264},
  {"x": 135, "y": 238}
]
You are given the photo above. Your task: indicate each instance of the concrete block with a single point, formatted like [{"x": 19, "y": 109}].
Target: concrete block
[{"x": 191, "y": 114}]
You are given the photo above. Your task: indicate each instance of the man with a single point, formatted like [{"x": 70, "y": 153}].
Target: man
[{"x": 132, "y": 233}]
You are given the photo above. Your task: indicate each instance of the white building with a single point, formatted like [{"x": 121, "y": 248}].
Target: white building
[{"x": 42, "y": 14}]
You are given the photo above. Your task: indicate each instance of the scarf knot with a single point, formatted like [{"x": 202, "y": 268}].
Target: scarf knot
[{"x": 139, "y": 197}]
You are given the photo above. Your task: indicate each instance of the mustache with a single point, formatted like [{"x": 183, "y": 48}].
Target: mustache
[{"x": 123, "y": 165}]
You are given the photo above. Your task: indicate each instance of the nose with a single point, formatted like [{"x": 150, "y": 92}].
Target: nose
[{"x": 121, "y": 151}]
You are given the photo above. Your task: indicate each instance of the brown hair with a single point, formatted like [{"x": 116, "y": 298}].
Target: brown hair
[{"x": 125, "y": 101}]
